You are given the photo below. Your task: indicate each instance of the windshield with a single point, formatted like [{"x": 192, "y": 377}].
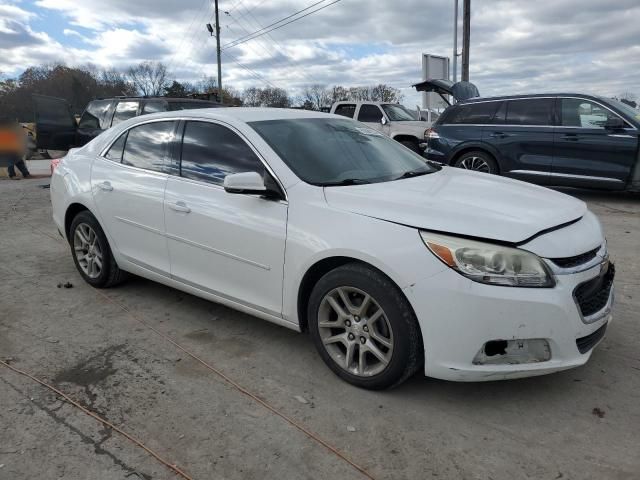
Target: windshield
[
  {"x": 329, "y": 151},
  {"x": 398, "y": 113}
]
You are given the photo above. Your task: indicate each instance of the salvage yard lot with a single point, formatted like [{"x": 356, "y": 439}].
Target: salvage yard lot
[{"x": 97, "y": 346}]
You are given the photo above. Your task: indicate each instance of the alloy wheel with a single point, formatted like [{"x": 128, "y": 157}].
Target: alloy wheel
[
  {"x": 475, "y": 163},
  {"x": 87, "y": 250},
  {"x": 355, "y": 331}
]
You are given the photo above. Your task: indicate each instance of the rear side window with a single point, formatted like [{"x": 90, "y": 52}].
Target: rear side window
[
  {"x": 473, "y": 113},
  {"x": 173, "y": 106},
  {"x": 532, "y": 111},
  {"x": 147, "y": 145},
  {"x": 370, "y": 114},
  {"x": 94, "y": 116},
  {"x": 115, "y": 151},
  {"x": 124, "y": 111},
  {"x": 346, "y": 110},
  {"x": 210, "y": 152},
  {"x": 154, "y": 106}
]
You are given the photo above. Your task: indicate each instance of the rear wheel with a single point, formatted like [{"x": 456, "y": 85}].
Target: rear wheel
[
  {"x": 91, "y": 252},
  {"x": 364, "y": 328},
  {"x": 478, "y": 161}
]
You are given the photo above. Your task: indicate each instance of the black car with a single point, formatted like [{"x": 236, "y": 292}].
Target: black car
[
  {"x": 57, "y": 129},
  {"x": 561, "y": 139}
]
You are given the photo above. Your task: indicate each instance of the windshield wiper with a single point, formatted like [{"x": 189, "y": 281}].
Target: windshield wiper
[
  {"x": 413, "y": 173},
  {"x": 346, "y": 181}
]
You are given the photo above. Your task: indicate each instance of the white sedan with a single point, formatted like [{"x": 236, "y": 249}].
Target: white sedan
[{"x": 319, "y": 223}]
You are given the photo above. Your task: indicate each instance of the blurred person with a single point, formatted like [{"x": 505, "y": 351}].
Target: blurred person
[{"x": 12, "y": 148}]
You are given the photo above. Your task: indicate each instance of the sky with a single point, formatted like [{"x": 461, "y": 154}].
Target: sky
[{"x": 517, "y": 46}]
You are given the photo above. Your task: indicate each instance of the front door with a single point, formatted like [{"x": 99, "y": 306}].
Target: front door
[
  {"x": 55, "y": 125},
  {"x": 522, "y": 134},
  {"x": 128, "y": 187},
  {"x": 586, "y": 152},
  {"x": 231, "y": 245}
]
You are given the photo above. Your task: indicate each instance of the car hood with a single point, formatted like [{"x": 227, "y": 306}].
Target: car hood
[{"x": 463, "y": 203}]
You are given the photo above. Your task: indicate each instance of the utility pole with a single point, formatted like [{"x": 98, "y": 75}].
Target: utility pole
[
  {"x": 466, "y": 33},
  {"x": 216, "y": 32},
  {"x": 454, "y": 57}
]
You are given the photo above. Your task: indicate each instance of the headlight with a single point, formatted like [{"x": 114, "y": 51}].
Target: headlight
[{"x": 490, "y": 263}]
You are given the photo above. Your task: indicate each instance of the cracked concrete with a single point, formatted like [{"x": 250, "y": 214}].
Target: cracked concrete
[{"x": 541, "y": 427}]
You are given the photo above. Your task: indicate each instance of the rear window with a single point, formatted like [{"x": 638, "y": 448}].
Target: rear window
[
  {"x": 94, "y": 116},
  {"x": 370, "y": 114},
  {"x": 532, "y": 111},
  {"x": 346, "y": 110},
  {"x": 473, "y": 113}
]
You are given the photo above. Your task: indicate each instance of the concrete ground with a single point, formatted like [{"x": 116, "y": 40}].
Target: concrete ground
[{"x": 579, "y": 424}]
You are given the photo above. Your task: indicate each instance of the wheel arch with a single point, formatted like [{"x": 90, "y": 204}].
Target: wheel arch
[
  {"x": 321, "y": 267},
  {"x": 482, "y": 147},
  {"x": 72, "y": 210},
  {"x": 405, "y": 137}
]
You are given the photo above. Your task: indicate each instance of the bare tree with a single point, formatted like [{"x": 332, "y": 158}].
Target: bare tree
[
  {"x": 149, "y": 78},
  {"x": 317, "y": 95},
  {"x": 266, "y": 97}
]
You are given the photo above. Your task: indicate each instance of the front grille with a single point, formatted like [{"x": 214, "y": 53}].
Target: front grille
[
  {"x": 592, "y": 296},
  {"x": 570, "y": 262},
  {"x": 585, "y": 344}
]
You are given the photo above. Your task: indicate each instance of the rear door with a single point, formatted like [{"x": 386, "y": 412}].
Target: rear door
[
  {"x": 586, "y": 152},
  {"x": 55, "y": 125},
  {"x": 128, "y": 186},
  {"x": 522, "y": 132},
  {"x": 346, "y": 109},
  {"x": 93, "y": 121}
]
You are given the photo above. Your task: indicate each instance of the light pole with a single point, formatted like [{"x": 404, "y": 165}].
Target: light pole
[
  {"x": 466, "y": 33},
  {"x": 454, "y": 57}
]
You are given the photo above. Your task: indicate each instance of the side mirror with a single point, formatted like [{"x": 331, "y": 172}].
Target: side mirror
[
  {"x": 246, "y": 182},
  {"x": 383, "y": 120},
  {"x": 614, "y": 123}
]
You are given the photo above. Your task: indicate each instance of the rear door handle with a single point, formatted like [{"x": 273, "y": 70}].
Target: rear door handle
[
  {"x": 570, "y": 137},
  {"x": 179, "y": 207},
  {"x": 498, "y": 135},
  {"x": 106, "y": 186}
]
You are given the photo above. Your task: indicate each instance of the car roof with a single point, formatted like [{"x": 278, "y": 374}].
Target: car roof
[
  {"x": 168, "y": 99},
  {"x": 244, "y": 114},
  {"x": 530, "y": 95}
]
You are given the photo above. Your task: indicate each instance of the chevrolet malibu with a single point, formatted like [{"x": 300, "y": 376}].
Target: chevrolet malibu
[{"x": 319, "y": 223}]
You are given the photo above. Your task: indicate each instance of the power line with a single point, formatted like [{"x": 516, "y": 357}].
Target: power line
[
  {"x": 253, "y": 72},
  {"x": 202, "y": 8},
  {"x": 261, "y": 32}
]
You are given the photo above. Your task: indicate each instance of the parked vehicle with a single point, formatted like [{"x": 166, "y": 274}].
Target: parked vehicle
[
  {"x": 393, "y": 120},
  {"x": 568, "y": 139},
  {"x": 58, "y": 129},
  {"x": 317, "y": 222}
]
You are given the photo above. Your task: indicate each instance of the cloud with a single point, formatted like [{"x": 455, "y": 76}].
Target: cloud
[{"x": 516, "y": 46}]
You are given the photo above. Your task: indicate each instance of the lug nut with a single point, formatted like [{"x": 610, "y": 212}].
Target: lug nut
[
  {"x": 347, "y": 323},
  {"x": 351, "y": 336},
  {"x": 362, "y": 339},
  {"x": 356, "y": 318},
  {"x": 365, "y": 328}
]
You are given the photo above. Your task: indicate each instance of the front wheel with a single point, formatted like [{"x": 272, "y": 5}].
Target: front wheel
[
  {"x": 478, "y": 161},
  {"x": 364, "y": 328}
]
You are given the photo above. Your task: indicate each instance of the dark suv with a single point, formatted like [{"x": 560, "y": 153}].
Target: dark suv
[
  {"x": 552, "y": 139},
  {"x": 57, "y": 129}
]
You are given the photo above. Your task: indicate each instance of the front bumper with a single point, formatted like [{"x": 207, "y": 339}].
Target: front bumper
[{"x": 458, "y": 317}]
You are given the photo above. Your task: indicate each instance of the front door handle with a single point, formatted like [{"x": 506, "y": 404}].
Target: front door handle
[
  {"x": 179, "y": 207},
  {"x": 498, "y": 135},
  {"x": 106, "y": 186}
]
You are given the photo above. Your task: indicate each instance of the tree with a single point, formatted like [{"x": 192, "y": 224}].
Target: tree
[
  {"x": 318, "y": 96},
  {"x": 176, "y": 89},
  {"x": 149, "y": 78},
  {"x": 266, "y": 97}
]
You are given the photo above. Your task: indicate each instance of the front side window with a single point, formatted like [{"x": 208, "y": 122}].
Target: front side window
[
  {"x": 346, "y": 110},
  {"x": 154, "y": 106},
  {"x": 369, "y": 114},
  {"x": 474, "y": 113},
  {"x": 398, "y": 113},
  {"x": 147, "y": 145},
  {"x": 339, "y": 151},
  {"x": 210, "y": 152},
  {"x": 580, "y": 113},
  {"x": 124, "y": 111},
  {"x": 532, "y": 111},
  {"x": 93, "y": 116}
]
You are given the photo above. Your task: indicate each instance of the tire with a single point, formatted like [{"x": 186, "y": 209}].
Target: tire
[
  {"x": 396, "y": 325},
  {"x": 478, "y": 161},
  {"x": 411, "y": 145},
  {"x": 85, "y": 227}
]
